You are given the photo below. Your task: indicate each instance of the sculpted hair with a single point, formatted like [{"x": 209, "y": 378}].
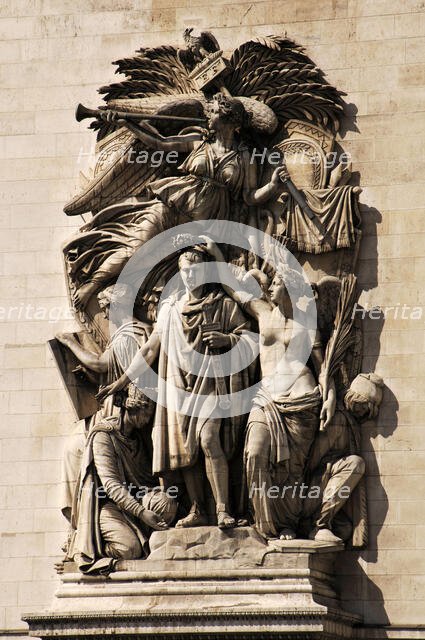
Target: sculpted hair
[
  {"x": 114, "y": 293},
  {"x": 196, "y": 253},
  {"x": 366, "y": 388}
]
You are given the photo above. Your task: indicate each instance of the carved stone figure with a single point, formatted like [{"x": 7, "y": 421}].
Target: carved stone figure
[
  {"x": 212, "y": 323},
  {"x": 288, "y": 407},
  {"x": 190, "y": 135},
  {"x": 274, "y": 486},
  {"x": 200, "y": 46},
  {"x": 106, "y": 367},
  {"x": 113, "y": 509},
  {"x": 216, "y": 179},
  {"x": 274, "y": 82},
  {"x": 336, "y": 507}
]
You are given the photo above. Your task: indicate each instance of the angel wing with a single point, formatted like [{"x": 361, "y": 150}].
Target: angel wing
[
  {"x": 277, "y": 71},
  {"x": 150, "y": 72},
  {"x": 158, "y": 81},
  {"x": 116, "y": 174}
]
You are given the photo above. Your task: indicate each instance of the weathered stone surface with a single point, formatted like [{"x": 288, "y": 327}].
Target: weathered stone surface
[
  {"x": 379, "y": 89},
  {"x": 290, "y": 595},
  {"x": 242, "y": 544}
]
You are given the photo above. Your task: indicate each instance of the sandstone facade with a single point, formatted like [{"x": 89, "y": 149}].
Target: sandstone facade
[{"x": 56, "y": 53}]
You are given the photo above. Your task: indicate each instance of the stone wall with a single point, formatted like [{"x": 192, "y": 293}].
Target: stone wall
[{"x": 55, "y": 53}]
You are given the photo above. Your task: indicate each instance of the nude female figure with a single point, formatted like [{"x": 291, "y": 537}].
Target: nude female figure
[{"x": 287, "y": 409}]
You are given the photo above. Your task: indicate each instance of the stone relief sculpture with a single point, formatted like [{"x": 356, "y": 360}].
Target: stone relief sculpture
[
  {"x": 335, "y": 462},
  {"x": 91, "y": 464},
  {"x": 191, "y": 136},
  {"x": 217, "y": 177},
  {"x": 218, "y": 473},
  {"x": 178, "y": 438}
]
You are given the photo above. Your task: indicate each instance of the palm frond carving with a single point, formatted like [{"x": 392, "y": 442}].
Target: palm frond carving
[
  {"x": 278, "y": 72},
  {"x": 151, "y": 71}
]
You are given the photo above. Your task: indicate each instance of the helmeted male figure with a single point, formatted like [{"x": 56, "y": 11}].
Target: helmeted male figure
[{"x": 336, "y": 467}]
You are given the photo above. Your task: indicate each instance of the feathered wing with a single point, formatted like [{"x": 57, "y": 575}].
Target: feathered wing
[
  {"x": 209, "y": 41},
  {"x": 117, "y": 175},
  {"x": 157, "y": 82},
  {"x": 276, "y": 71}
]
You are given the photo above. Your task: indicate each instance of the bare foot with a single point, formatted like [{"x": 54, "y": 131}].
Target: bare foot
[
  {"x": 287, "y": 534},
  {"x": 242, "y": 522},
  {"x": 225, "y": 521},
  {"x": 324, "y": 535}
]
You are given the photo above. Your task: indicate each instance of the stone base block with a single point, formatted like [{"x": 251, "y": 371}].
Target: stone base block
[{"x": 204, "y": 583}]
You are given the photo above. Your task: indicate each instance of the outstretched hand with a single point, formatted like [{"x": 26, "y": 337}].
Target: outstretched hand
[
  {"x": 212, "y": 247},
  {"x": 111, "y": 389}
]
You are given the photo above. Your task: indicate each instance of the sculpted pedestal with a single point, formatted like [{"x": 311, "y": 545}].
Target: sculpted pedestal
[{"x": 205, "y": 582}]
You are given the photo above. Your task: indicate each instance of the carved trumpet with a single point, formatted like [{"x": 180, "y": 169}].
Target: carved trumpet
[{"x": 82, "y": 112}]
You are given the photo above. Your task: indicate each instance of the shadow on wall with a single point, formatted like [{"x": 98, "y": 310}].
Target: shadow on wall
[
  {"x": 349, "y": 123},
  {"x": 359, "y": 591}
]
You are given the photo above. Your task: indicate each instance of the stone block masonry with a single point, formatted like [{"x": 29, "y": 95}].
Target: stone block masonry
[{"x": 56, "y": 53}]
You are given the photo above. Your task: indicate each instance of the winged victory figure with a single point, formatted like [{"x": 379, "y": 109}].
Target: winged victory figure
[{"x": 247, "y": 103}]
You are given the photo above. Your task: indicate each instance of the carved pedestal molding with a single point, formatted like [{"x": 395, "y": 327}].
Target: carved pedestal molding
[{"x": 283, "y": 590}]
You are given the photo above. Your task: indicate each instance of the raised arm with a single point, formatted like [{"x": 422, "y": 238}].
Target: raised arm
[
  {"x": 153, "y": 139},
  {"x": 232, "y": 286},
  {"x": 98, "y": 364},
  {"x": 143, "y": 359}
]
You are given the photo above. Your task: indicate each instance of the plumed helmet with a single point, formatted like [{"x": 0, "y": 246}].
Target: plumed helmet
[{"x": 366, "y": 387}]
